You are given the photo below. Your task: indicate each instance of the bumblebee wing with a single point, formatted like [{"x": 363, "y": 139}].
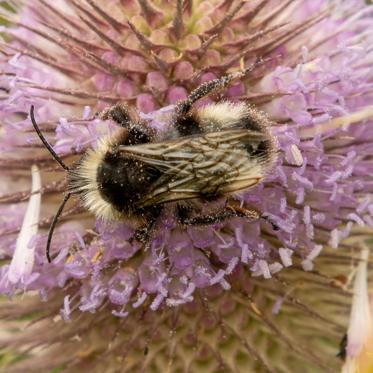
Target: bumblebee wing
[{"x": 214, "y": 163}]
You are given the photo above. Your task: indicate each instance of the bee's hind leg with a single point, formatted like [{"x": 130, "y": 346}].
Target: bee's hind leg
[
  {"x": 253, "y": 215},
  {"x": 229, "y": 211},
  {"x": 220, "y": 215},
  {"x": 210, "y": 87}
]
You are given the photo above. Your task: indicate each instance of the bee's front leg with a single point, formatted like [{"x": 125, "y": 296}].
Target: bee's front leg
[
  {"x": 146, "y": 233},
  {"x": 141, "y": 234}
]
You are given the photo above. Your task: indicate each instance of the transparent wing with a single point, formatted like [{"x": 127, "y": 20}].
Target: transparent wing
[{"x": 209, "y": 164}]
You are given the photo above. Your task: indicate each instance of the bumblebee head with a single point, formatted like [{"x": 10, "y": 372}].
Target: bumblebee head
[{"x": 82, "y": 181}]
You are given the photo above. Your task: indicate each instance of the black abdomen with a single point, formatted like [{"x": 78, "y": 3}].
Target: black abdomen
[
  {"x": 124, "y": 181},
  {"x": 262, "y": 148}
]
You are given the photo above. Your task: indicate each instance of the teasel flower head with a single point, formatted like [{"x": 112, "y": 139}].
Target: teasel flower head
[{"x": 233, "y": 296}]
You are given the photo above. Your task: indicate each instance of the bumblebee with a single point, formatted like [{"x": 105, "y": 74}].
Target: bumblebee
[{"x": 205, "y": 154}]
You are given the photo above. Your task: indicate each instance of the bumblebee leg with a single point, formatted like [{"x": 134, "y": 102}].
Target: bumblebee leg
[
  {"x": 210, "y": 87},
  {"x": 138, "y": 132},
  {"x": 253, "y": 215},
  {"x": 221, "y": 215},
  {"x": 145, "y": 233},
  {"x": 119, "y": 113},
  {"x": 228, "y": 212}
]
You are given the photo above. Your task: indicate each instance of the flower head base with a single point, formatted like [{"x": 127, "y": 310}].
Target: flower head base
[
  {"x": 74, "y": 59},
  {"x": 256, "y": 326}
]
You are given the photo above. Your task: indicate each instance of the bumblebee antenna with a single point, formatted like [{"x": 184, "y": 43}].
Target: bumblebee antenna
[
  {"x": 44, "y": 140},
  {"x": 53, "y": 225}
]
